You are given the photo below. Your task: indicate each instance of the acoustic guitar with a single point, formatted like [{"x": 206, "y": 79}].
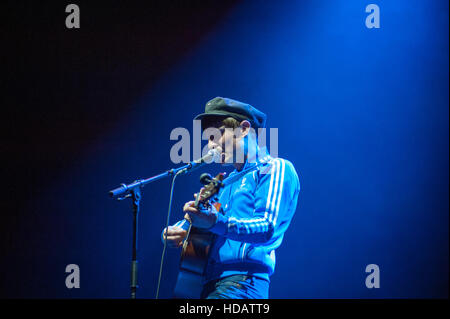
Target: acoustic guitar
[{"x": 196, "y": 246}]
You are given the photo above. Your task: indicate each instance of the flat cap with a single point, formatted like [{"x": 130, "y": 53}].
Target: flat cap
[{"x": 222, "y": 106}]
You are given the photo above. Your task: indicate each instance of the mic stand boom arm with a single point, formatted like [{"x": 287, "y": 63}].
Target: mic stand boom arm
[{"x": 128, "y": 189}]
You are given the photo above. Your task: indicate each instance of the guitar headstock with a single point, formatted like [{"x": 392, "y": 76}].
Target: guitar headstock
[{"x": 211, "y": 188}]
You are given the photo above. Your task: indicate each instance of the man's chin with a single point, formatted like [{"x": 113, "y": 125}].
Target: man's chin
[{"x": 225, "y": 160}]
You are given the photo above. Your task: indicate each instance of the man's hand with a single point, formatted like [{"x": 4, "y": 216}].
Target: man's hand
[
  {"x": 175, "y": 236},
  {"x": 201, "y": 218}
]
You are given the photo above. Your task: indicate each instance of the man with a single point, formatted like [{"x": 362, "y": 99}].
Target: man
[{"x": 257, "y": 207}]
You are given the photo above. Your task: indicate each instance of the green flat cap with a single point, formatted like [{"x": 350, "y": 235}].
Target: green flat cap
[{"x": 222, "y": 106}]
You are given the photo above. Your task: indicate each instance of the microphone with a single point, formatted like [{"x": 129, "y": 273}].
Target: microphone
[{"x": 212, "y": 156}]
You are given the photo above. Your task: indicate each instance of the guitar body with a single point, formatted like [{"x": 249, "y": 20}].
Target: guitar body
[
  {"x": 196, "y": 248},
  {"x": 194, "y": 258}
]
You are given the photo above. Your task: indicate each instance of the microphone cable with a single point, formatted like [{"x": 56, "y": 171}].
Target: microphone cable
[{"x": 165, "y": 235}]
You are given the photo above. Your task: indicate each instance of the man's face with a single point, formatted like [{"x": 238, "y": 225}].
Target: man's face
[{"x": 229, "y": 143}]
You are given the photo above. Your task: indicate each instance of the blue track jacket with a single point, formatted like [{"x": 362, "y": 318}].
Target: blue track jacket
[{"x": 258, "y": 209}]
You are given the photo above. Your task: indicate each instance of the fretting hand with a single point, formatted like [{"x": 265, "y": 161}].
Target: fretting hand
[{"x": 200, "y": 218}]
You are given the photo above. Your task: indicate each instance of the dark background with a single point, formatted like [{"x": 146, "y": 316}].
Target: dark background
[{"x": 362, "y": 113}]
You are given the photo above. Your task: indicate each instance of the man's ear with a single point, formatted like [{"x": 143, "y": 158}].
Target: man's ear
[{"x": 245, "y": 127}]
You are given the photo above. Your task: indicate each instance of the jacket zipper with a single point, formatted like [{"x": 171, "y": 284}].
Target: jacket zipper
[{"x": 245, "y": 244}]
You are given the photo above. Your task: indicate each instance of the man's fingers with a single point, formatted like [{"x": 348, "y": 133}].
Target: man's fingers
[
  {"x": 191, "y": 210},
  {"x": 180, "y": 233},
  {"x": 175, "y": 238},
  {"x": 188, "y": 204},
  {"x": 175, "y": 231}
]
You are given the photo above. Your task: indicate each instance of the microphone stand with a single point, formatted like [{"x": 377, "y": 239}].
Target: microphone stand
[{"x": 133, "y": 191}]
